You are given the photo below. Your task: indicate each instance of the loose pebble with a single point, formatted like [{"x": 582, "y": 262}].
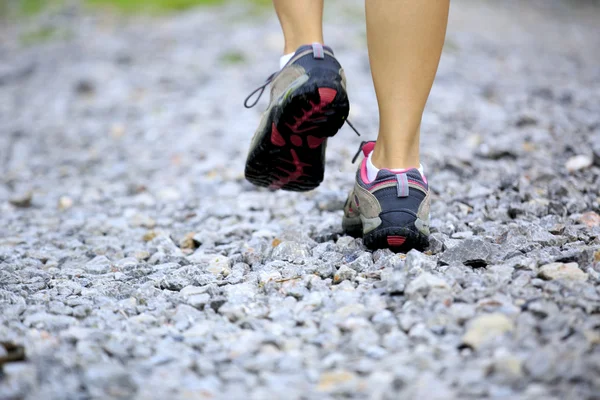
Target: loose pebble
[
  {"x": 568, "y": 271},
  {"x": 579, "y": 162},
  {"x": 486, "y": 327}
]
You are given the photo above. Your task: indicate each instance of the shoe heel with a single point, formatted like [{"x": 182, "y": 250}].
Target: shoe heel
[
  {"x": 395, "y": 241},
  {"x": 291, "y": 154},
  {"x": 398, "y": 240}
]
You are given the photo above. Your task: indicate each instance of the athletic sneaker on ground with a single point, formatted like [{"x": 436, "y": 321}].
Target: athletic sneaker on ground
[
  {"x": 308, "y": 105},
  {"x": 392, "y": 211}
]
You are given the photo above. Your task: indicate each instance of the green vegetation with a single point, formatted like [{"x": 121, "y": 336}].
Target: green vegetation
[
  {"x": 152, "y": 6},
  {"x": 24, "y": 8},
  {"x": 43, "y": 34},
  {"x": 40, "y": 35},
  {"x": 31, "y": 7},
  {"x": 161, "y": 6},
  {"x": 232, "y": 58}
]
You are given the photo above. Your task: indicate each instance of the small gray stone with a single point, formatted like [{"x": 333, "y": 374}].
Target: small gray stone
[
  {"x": 295, "y": 288},
  {"x": 421, "y": 388},
  {"x": 569, "y": 271},
  {"x": 344, "y": 273},
  {"x": 241, "y": 293},
  {"x": 109, "y": 381},
  {"x": 347, "y": 245},
  {"x": 184, "y": 316},
  {"x": 395, "y": 281},
  {"x": 472, "y": 252},
  {"x": 197, "y": 300},
  {"x": 338, "y": 381},
  {"x": 578, "y": 162},
  {"x": 542, "y": 363},
  {"x": 238, "y": 272},
  {"x": 268, "y": 275},
  {"x": 485, "y": 328},
  {"x": 363, "y": 262},
  {"x": 462, "y": 235},
  {"x": 436, "y": 243},
  {"x": 426, "y": 282},
  {"x": 22, "y": 200},
  {"x": 507, "y": 366},
  {"x": 141, "y": 220},
  {"x": 196, "y": 296},
  {"x": 19, "y": 378},
  {"x": 462, "y": 312},
  {"x": 538, "y": 234},
  {"x": 98, "y": 265},
  {"x": 322, "y": 248},
  {"x": 174, "y": 281},
  {"x": 290, "y": 251},
  {"x": 543, "y": 308},
  {"x": 417, "y": 262},
  {"x": 193, "y": 290},
  {"x": 163, "y": 243},
  {"x": 48, "y": 321},
  {"x": 219, "y": 265},
  {"x": 325, "y": 270},
  {"x": 67, "y": 288},
  {"x": 77, "y": 333},
  {"x": 216, "y": 264},
  {"x": 127, "y": 263}
]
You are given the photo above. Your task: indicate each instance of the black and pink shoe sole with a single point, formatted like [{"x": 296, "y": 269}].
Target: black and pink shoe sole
[
  {"x": 290, "y": 154},
  {"x": 398, "y": 239}
]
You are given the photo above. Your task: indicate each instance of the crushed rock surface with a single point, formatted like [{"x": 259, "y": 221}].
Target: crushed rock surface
[{"x": 136, "y": 262}]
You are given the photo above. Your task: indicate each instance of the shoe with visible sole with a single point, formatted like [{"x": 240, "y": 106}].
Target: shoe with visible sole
[
  {"x": 390, "y": 212},
  {"x": 308, "y": 105}
]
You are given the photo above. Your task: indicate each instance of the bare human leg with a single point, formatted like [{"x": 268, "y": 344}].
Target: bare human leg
[
  {"x": 405, "y": 39},
  {"x": 308, "y": 104},
  {"x": 301, "y": 22}
]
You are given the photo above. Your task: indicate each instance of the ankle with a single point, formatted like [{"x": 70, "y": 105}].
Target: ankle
[
  {"x": 293, "y": 45},
  {"x": 397, "y": 147},
  {"x": 395, "y": 160},
  {"x": 373, "y": 171}
]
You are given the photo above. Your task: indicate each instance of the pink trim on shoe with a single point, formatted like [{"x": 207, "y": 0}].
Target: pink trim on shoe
[
  {"x": 368, "y": 148},
  {"x": 403, "y": 171},
  {"x": 416, "y": 183},
  {"x": 382, "y": 183},
  {"x": 396, "y": 171},
  {"x": 363, "y": 171}
]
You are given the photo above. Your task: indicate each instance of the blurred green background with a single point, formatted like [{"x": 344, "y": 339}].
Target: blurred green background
[
  {"x": 24, "y": 14},
  {"x": 24, "y": 8}
]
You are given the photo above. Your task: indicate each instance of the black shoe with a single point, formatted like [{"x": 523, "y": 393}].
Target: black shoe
[
  {"x": 390, "y": 212},
  {"x": 308, "y": 105}
]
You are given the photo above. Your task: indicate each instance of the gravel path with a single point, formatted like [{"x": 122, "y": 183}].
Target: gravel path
[{"x": 136, "y": 262}]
